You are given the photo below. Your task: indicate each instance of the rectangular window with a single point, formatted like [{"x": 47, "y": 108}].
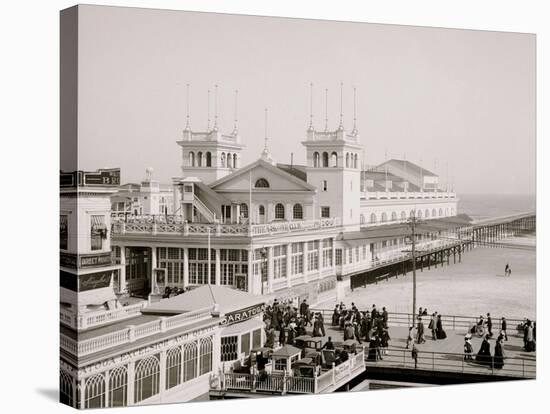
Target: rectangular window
[
  {"x": 313, "y": 255},
  {"x": 98, "y": 232},
  {"x": 229, "y": 348},
  {"x": 198, "y": 266},
  {"x": 325, "y": 212},
  {"x": 279, "y": 262},
  {"x": 338, "y": 257},
  {"x": 325, "y": 185},
  {"x": 257, "y": 338},
  {"x": 327, "y": 253},
  {"x": 63, "y": 232},
  {"x": 280, "y": 364},
  {"x": 171, "y": 259},
  {"x": 245, "y": 343},
  {"x": 297, "y": 265}
]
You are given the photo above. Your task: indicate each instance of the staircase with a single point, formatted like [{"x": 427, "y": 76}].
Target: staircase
[{"x": 203, "y": 210}]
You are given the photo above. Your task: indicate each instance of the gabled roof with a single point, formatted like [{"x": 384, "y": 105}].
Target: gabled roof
[
  {"x": 411, "y": 167},
  {"x": 227, "y": 299},
  {"x": 261, "y": 163},
  {"x": 299, "y": 171}
]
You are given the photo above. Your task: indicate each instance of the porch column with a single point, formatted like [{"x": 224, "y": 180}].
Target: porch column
[
  {"x": 162, "y": 379},
  {"x": 154, "y": 285},
  {"x": 269, "y": 269},
  {"x": 122, "y": 272},
  {"x": 288, "y": 263},
  {"x": 107, "y": 378},
  {"x": 305, "y": 261},
  {"x": 82, "y": 401},
  {"x": 320, "y": 259},
  {"x": 250, "y": 282},
  {"x": 218, "y": 267},
  {"x": 185, "y": 267},
  {"x": 131, "y": 379}
]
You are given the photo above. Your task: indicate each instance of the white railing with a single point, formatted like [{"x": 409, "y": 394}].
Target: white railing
[
  {"x": 98, "y": 318},
  {"x": 384, "y": 195},
  {"x": 173, "y": 224},
  {"x": 132, "y": 333},
  {"x": 203, "y": 209},
  {"x": 329, "y": 380}
]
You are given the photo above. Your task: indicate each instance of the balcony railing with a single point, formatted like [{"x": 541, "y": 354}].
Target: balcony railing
[
  {"x": 97, "y": 318},
  {"x": 132, "y": 333},
  {"x": 328, "y": 381},
  {"x": 384, "y": 195},
  {"x": 159, "y": 224}
]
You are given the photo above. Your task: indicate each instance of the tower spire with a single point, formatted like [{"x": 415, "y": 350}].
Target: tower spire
[
  {"x": 266, "y": 155},
  {"x": 341, "y": 126},
  {"x": 326, "y": 109},
  {"x": 310, "y": 128},
  {"x": 235, "y": 126},
  {"x": 215, "y": 108},
  {"x": 208, "y": 124},
  {"x": 187, "y": 125}
]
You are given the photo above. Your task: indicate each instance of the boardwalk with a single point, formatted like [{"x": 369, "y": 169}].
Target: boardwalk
[{"x": 447, "y": 355}]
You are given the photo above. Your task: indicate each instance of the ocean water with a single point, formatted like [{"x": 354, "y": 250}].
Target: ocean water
[{"x": 481, "y": 206}]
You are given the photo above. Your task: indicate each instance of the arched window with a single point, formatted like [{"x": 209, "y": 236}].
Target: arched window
[
  {"x": 222, "y": 160},
  {"x": 94, "y": 396},
  {"x": 297, "y": 212},
  {"x": 403, "y": 215},
  {"x": 355, "y": 161},
  {"x": 334, "y": 160},
  {"x": 347, "y": 159},
  {"x": 427, "y": 213},
  {"x": 316, "y": 159},
  {"x": 411, "y": 214},
  {"x": 189, "y": 361},
  {"x": 118, "y": 387},
  {"x": 199, "y": 159},
  {"x": 244, "y": 210},
  {"x": 192, "y": 159},
  {"x": 208, "y": 159},
  {"x": 147, "y": 375},
  {"x": 452, "y": 211},
  {"x": 234, "y": 160},
  {"x": 173, "y": 367},
  {"x": 66, "y": 388},
  {"x": 261, "y": 213},
  {"x": 419, "y": 214},
  {"x": 440, "y": 212},
  {"x": 384, "y": 218},
  {"x": 279, "y": 211},
  {"x": 393, "y": 216},
  {"x": 229, "y": 160},
  {"x": 373, "y": 218},
  {"x": 446, "y": 212},
  {"x": 434, "y": 212},
  {"x": 361, "y": 219},
  {"x": 325, "y": 159},
  {"x": 205, "y": 355},
  {"x": 261, "y": 183}
]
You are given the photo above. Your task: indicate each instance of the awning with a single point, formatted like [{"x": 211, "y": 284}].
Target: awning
[{"x": 98, "y": 223}]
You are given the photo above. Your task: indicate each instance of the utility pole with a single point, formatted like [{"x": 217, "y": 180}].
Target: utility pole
[{"x": 412, "y": 222}]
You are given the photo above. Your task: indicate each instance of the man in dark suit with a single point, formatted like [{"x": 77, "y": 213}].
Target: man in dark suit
[
  {"x": 489, "y": 324},
  {"x": 503, "y": 328}
]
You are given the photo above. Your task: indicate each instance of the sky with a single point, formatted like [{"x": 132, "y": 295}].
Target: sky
[{"x": 460, "y": 102}]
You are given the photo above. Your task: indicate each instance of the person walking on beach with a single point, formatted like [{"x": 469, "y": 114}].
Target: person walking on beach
[
  {"x": 414, "y": 354},
  {"x": 468, "y": 348},
  {"x": 506, "y": 269},
  {"x": 410, "y": 337}
]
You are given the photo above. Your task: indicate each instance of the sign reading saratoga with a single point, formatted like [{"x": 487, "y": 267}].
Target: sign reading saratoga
[{"x": 242, "y": 315}]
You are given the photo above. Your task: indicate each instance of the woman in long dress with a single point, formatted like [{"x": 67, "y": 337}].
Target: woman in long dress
[
  {"x": 484, "y": 354},
  {"x": 439, "y": 329},
  {"x": 499, "y": 355}
]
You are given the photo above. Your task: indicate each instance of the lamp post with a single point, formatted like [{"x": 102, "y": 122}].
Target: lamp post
[{"x": 263, "y": 253}]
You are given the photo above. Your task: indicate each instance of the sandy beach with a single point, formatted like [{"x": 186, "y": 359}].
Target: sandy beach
[{"x": 474, "y": 287}]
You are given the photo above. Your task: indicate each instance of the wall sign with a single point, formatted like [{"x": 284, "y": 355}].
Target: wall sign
[
  {"x": 242, "y": 315},
  {"x": 94, "y": 281}
]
